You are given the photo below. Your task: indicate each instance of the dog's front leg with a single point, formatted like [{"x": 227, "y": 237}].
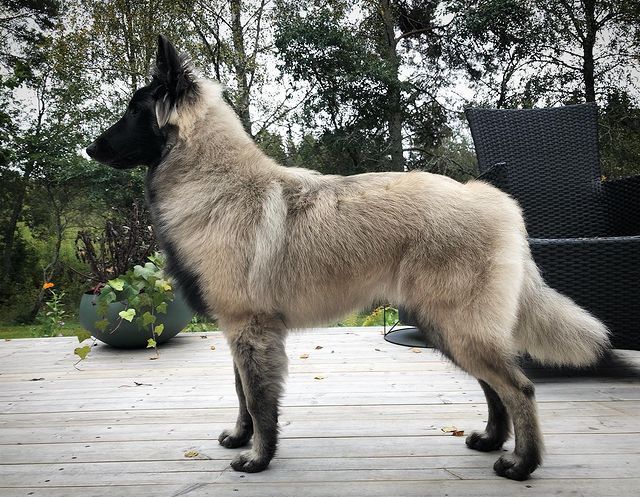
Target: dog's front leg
[
  {"x": 241, "y": 434},
  {"x": 257, "y": 346}
]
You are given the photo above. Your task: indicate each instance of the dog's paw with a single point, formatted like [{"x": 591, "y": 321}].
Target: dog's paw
[
  {"x": 482, "y": 442},
  {"x": 231, "y": 440},
  {"x": 513, "y": 467},
  {"x": 249, "y": 462}
]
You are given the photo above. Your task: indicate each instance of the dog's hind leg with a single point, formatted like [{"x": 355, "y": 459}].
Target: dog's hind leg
[
  {"x": 478, "y": 340},
  {"x": 498, "y": 424},
  {"x": 240, "y": 435},
  {"x": 257, "y": 346}
]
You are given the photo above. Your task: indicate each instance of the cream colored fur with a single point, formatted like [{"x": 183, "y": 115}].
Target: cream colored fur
[{"x": 309, "y": 248}]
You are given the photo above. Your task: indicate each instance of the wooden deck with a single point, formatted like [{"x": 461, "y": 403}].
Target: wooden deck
[{"x": 361, "y": 417}]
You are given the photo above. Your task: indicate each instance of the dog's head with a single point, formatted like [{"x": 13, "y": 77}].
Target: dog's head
[{"x": 140, "y": 136}]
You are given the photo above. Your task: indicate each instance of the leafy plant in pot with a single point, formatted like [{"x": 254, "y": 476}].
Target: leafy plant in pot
[{"x": 131, "y": 304}]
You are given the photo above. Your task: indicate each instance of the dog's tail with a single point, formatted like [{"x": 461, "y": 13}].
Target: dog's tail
[{"x": 553, "y": 329}]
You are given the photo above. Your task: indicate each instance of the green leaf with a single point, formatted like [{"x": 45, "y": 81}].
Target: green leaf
[
  {"x": 151, "y": 343},
  {"x": 128, "y": 314},
  {"x": 82, "y": 352},
  {"x": 163, "y": 284},
  {"x": 159, "y": 298},
  {"x": 159, "y": 329},
  {"x": 148, "y": 318},
  {"x": 117, "y": 284},
  {"x": 162, "y": 308},
  {"x": 107, "y": 295},
  {"x": 83, "y": 335},
  {"x": 102, "y": 324},
  {"x": 150, "y": 266},
  {"x": 145, "y": 300}
]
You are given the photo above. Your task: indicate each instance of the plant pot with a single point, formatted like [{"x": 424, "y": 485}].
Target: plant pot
[{"x": 125, "y": 335}]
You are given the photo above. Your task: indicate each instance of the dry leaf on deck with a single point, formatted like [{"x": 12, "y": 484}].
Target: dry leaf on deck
[
  {"x": 213, "y": 347},
  {"x": 415, "y": 350},
  {"x": 318, "y": 377},
  {"x": 458, "y": 433},
  {"x": 449, "y": 429},
  {"x": 191, "y": 453},
  {"x": 304, "y": 356}
]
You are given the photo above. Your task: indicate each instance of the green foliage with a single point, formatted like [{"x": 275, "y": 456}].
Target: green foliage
[
  {"x": 371, "y": 318},
  {"x": 144, "y": 291},
  {"x": 54, "y": 313},
  {"x": 380, "y": 316},
  {"x": 201, "y": 324},
  {"x": 620, "y": 136}
]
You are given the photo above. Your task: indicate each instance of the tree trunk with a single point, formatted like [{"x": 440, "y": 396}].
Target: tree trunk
[
  {"x": 50, "y": 270},
  {"x": 240, "y": 65},
  {"x": 588, "y": 64},
  {"x": 393, "y": 88}
]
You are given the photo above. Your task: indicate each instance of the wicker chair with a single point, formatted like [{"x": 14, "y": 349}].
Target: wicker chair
[{"x": 584, "y": 231}]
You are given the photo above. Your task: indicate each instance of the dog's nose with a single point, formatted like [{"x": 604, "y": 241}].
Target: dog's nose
[{"x": 92, "y": 149}]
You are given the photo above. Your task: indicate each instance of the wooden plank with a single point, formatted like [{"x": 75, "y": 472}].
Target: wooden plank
[
  {"x": 407, "y": 488},
  {"x": 142, "y": 450},
  {"x": 477, "y": 466},
  {"x": 370, "y": 427},
  {"x": 311, "y": 427}
]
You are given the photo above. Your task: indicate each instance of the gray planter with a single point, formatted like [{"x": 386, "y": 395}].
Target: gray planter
[{"x": 127, "y": 335}]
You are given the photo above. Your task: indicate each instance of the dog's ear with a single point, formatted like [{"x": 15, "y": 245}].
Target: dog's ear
[{"x": 175, "y": 76}]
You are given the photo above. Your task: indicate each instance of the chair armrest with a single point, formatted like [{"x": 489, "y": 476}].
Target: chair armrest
[
  {"x": 497, "y": 175},
  {"x": 622, "y": 198}
]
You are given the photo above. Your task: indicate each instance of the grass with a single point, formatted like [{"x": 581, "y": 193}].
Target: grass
[{"x": 12, "y": 330}]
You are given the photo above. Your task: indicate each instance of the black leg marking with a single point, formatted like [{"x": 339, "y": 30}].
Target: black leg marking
[
  {"x": 510, "y": 394},
  {"x": 241, "y": 434},
  {"x": 527, "y": 456},
  {"x": 497, "y": 430},
  {"x": 259, "y": 354}
]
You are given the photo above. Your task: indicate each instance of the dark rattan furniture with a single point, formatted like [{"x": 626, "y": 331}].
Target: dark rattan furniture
[{"x": 585, "y": 231}]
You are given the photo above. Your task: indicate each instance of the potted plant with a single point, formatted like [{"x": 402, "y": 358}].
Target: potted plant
[
  {"x": 137, "y": 309},
  {"x": 131, "y": 303}
]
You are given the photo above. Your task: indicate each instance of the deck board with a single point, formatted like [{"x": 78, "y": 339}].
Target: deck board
[{"x": 370, "y": 427}]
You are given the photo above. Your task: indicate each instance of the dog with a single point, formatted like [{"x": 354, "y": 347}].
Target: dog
[{"x": 266, "y": 248}]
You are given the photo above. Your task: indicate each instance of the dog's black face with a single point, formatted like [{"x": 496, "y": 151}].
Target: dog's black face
[
  {"x": 136, "y": 139},
  {"x": 139, "y": 138}
]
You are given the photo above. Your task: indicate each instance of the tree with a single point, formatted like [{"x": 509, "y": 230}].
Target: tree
[
  {"x": 592, "y": 44},
  {"x": 372, "y": 74}
]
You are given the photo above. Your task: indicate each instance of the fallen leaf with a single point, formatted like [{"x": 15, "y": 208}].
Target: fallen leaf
[
  {"x": 203, "y": 336},
  {"x": 213, "y": 347},
  {"x": 191, "y": 453},
  {"x": 142, "y": 384},
  {"x": 304, "y": 356},
  {"x": 36, "y": 379},
  {"x": 318, "y": 347},
  {"x": 318, "y": 377},
  {"x": 449, "y": 429},
  {"x": 153, "y": 358},
  {"x": 415, "y": 350},
  {"x": 458, "y": 433}
]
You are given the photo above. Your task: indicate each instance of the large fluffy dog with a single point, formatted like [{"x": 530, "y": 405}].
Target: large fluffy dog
[{"x": 266, "y": 248}]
